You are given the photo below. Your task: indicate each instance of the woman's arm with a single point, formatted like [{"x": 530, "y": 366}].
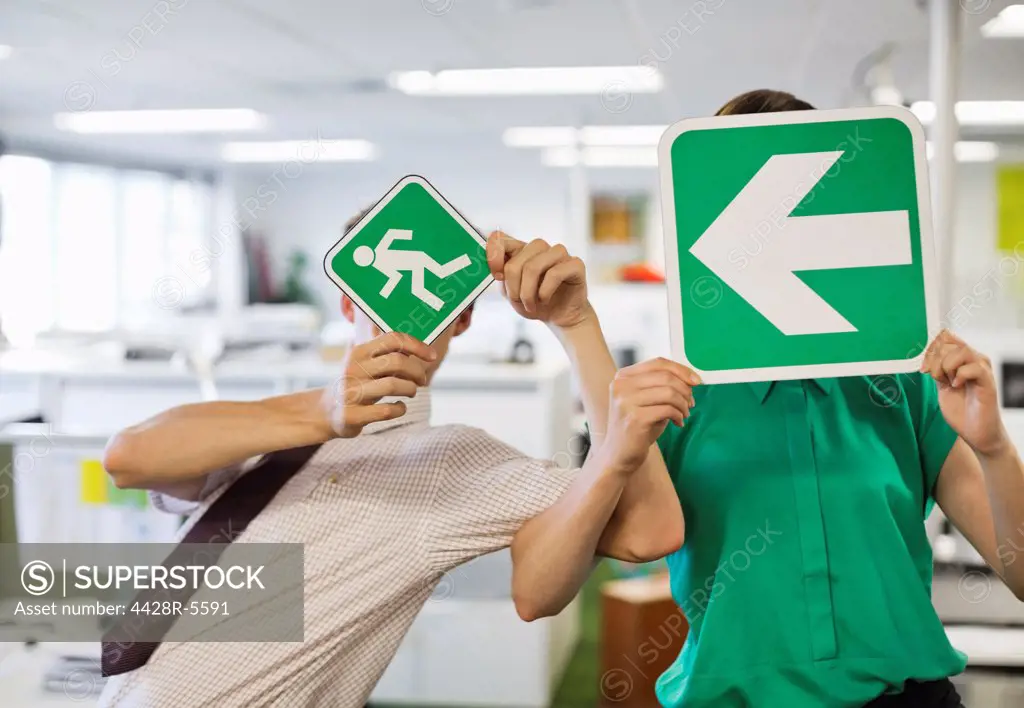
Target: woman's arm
[
  {"x": 174, "y": 451},
  {"x": 981, "y": 484},
  {"x": 647, "y": 523},
  {"x": 542, "y": 282},
  {"x": 981, "y": 496},
  {"x": 553, "y": 553}
]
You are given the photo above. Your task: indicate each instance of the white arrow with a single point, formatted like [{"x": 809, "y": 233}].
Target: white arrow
[{"x": 755, "y": 246}]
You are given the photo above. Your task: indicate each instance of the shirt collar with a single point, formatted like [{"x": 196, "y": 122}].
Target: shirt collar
[
  {"x": 417, "y": 411},
  {"x": 763, "y": 388}
]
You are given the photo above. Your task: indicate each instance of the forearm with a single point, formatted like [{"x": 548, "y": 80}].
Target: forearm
[
  {"x": 183, "y": 445},
  {"x": 552, "y": 554},
  {"x": 595, "y": 368},
  {"x": 648, "y": 521},
  {"x": 1004, "y": 480}
]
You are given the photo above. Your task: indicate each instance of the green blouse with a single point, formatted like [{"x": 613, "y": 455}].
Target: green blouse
[{"x": 806, "y": 572}]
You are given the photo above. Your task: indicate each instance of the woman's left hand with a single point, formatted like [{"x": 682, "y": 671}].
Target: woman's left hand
[
  {"x": 541, "y": 282},
  {"x": 967, "y": 393}
]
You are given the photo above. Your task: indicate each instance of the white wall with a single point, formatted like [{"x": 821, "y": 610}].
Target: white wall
[
  {"x": 987, "y": 290},
  {"x": 308, "y": 209}
]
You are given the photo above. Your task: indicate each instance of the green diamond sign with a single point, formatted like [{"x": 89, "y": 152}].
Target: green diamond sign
[
  {"x": 413, "y": 263},
  {"x": 798, "y": 245}
]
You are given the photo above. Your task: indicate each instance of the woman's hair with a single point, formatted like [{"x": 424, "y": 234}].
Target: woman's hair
[{"x": 763, "y": 101}]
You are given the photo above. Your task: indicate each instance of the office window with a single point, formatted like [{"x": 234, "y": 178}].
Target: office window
[
  {"x": 144, "y": 227},
  {"x": 190, "y": 258},
  {"x": 27, "y": 302},
  {"x": 86, "y": 263},
  {"x": 87, "y": 248}
]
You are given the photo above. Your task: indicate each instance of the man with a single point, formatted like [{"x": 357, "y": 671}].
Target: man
[{"x": 386, "y": 504}]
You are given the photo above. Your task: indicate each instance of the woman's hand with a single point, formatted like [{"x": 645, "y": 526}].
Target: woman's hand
[
  {"x": 542, "y": 282},
  {"x": 967, "y": 393},
  {"x": 644, "y": 398}
]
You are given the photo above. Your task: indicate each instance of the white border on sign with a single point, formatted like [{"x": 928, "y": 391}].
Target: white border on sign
[
  {"x": 374, "y": 210},
  {"x": 668, "y": 212}
]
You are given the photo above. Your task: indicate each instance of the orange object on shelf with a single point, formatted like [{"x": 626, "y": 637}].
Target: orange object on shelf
[{"x": 641, "y": 273}]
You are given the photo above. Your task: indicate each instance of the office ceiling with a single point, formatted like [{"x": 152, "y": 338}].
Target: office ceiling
[{"x": 318, "y": 68}]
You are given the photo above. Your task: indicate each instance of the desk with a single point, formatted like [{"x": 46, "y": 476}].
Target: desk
[
  {"x": 22, "y": 671},
  {"x": 995, "y": 665},
  {"x": 1000, "y": 647},
  {"x": 527, "y": 406}
]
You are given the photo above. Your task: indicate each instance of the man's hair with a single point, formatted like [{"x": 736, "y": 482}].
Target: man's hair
[
  {"x": 763, "y": 101},
  {"x": 351, "y": 223}
]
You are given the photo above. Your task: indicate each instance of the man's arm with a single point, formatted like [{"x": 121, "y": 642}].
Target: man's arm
[
  {"x": 544, "y": 283},
  {"x": 175, "y": 451}
]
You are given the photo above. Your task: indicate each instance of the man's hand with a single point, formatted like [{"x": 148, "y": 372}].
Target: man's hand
[
  {"x": 542, "y": 282},
  {"x": 967, "y": 393},
  {"x": 393, "y": 364},
  {"x": 644, "y": 398}
]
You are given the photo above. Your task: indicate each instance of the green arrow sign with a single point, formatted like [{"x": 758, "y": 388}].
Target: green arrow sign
[
  {"x": 798, "y": 245},
  {"x": 413, "y": 263}
]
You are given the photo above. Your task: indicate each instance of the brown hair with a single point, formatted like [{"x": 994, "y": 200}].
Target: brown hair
[
  {"x": 763, "y": 101},
  {"x": 350, "y": 224}
]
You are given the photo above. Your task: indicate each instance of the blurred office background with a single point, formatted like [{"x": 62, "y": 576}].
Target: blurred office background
[{"x": 175, "y": 171}]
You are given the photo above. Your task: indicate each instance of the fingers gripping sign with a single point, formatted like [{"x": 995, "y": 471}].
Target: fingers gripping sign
[
  {"x": 645, "y": 398},
  {"x": 540, "y": 280},
  {"x": 413, "y": 263},
  {"x": 393, "y": 364},
  {"x": 967, "y": 392}
]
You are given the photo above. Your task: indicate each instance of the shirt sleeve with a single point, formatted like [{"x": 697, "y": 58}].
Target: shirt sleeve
[
  {"x": 935, "y": 438},
  {"x": 171, "y": 504},
  {"x": 487, "y": 492}
]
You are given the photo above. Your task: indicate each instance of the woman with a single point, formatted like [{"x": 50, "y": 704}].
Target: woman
[{"x": 805, "y": 572}]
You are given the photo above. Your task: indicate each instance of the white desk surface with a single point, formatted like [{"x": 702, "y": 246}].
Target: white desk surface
[
  {"x": 68, "y": 364},
  {"x": 21, "y": 678},
  {"x": 997, "y": 647}
]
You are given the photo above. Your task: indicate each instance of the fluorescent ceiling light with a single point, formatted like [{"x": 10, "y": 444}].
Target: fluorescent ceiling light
[
  {"x": 5, "y": 51},
  {"x": 1008, "y": 23},
  {"x": 591, "y": 135},
  {"x": 307, "y": 151},
  {"x": 971, "y": 151},
  {"x": 608, "y": 80},
  {"x": 601, "y": 157},
  {"x": 622, "y": 134},
  {"x": 210, "y": 120},
  {"x": 976, "y": 112},
  {"x": 556, "y": 136}
]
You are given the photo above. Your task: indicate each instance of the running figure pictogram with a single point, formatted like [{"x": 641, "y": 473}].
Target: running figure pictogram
[{"x": 395, "y": 263}]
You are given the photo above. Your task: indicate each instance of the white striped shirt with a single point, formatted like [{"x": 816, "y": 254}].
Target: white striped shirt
[{"x": 383, "y": 517}]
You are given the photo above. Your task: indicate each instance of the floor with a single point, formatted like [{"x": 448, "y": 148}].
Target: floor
[{"x": 580, "y": 687}]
